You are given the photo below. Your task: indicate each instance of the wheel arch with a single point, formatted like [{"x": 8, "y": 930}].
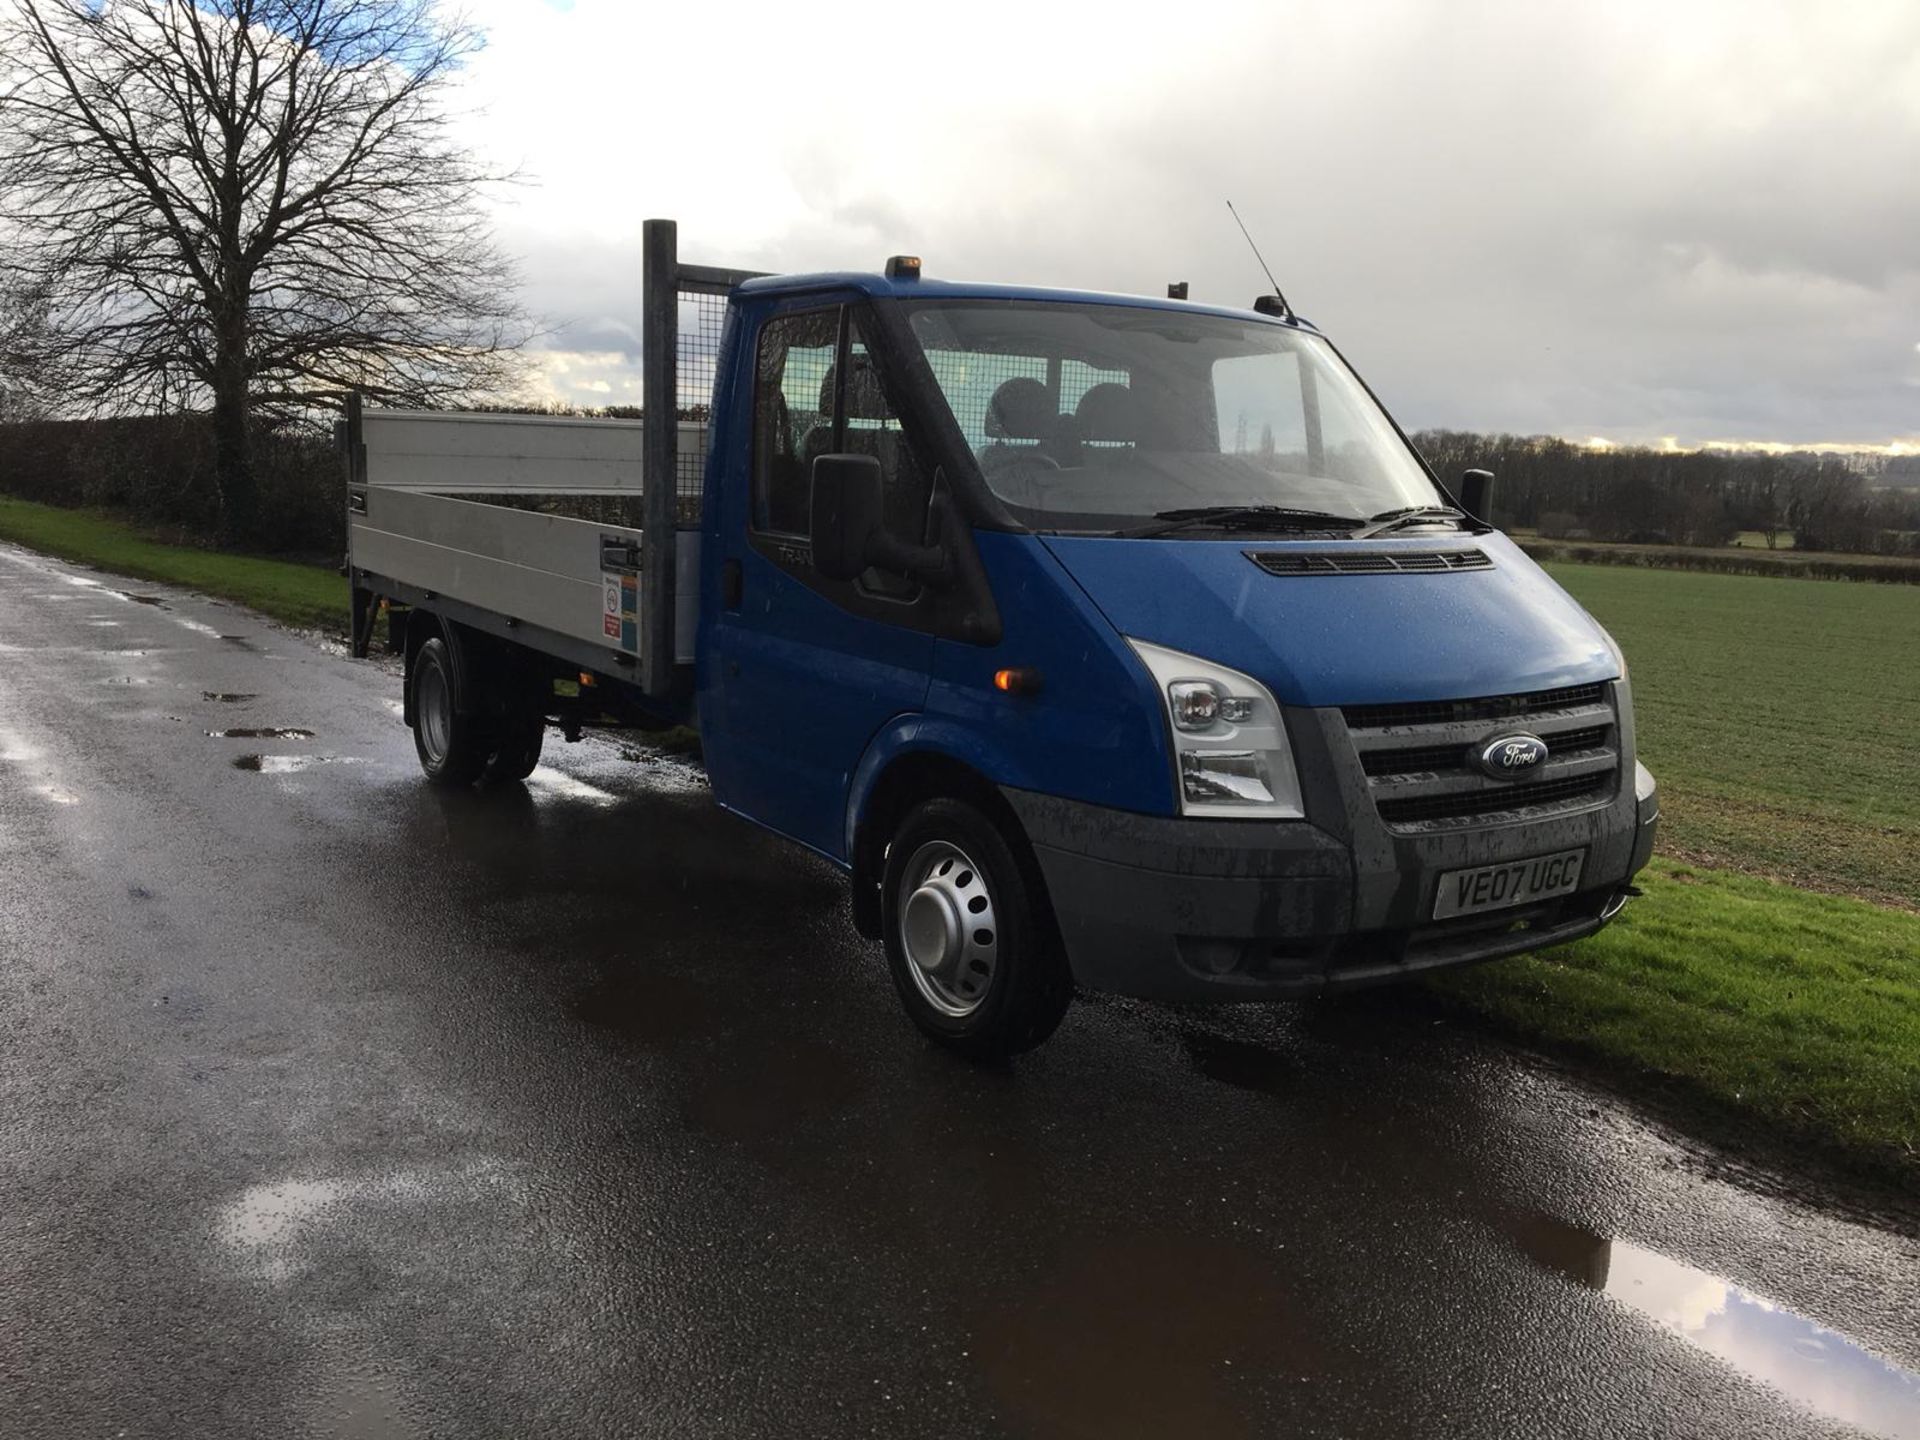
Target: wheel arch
[
  {"x": 424, "y": 625},
  {"x": 910, "y": 763}
]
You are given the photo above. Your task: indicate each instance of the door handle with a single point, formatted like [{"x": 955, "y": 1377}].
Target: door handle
[{"x": 732, "y": 583}]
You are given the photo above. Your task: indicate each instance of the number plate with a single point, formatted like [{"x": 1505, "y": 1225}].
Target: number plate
[{"x": 1518, "y": 882}]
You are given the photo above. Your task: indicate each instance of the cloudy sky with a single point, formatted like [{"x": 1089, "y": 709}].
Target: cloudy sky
[{"x": 1678, "y": 221}]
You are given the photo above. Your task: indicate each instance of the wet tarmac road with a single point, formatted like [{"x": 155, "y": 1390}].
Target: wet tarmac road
[{"x": 333, "y": 1105}]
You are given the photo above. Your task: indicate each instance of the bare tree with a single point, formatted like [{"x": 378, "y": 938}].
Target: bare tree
[
  {"x": 253, "y": 205},
  {"x": 23, "y": 318}
]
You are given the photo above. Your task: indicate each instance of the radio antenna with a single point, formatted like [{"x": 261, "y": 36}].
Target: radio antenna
[{"x": 1288, "y": 309}]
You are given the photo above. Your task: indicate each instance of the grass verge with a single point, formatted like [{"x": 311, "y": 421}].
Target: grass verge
[
  {"x": 310, "y": 595},
  {"x": 1787, "y": 1017}
]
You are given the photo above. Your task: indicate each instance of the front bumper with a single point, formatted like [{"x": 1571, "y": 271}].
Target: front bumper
[{"x": 1213, "y": 910}]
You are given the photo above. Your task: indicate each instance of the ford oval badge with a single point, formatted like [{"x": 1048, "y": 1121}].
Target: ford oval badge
[{"x": 1513, "y": 757}]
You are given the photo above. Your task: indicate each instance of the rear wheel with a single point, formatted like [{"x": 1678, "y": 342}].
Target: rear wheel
[
  {"x": 519, "y": 749},
  {"x": 451, "y": 748},
  {"x": 969, "y": 942}
]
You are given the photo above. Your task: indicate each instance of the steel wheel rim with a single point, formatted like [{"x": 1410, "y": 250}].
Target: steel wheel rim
[
  {"x": 431, "y": 703},
  {"x": 948, "y": 928}
]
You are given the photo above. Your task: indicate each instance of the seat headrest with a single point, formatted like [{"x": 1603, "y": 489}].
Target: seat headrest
[
  {"x": 1107, "y": 412},
  {"x": 865, "y": 399},
  {"x": 1021, "y": 409}
]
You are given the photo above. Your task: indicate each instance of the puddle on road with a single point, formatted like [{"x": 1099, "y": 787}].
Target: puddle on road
[
  {"x": 143, "y": 599},
  {"x": 1145, "y": 1335},
  {"x": 768, "y": 1093},
  {"x": 650, "y": 1009},
  {"x": 288, "y": 764},
  {"x": 1244, "y": 1064},
  {"x": 359, "y": 1407},
  {"x": 261, "y": 732},
  {"x": 1817, "y": 1368},
  {"x": 226, "y": 697}
]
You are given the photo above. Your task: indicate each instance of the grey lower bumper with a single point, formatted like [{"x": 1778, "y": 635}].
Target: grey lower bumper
[{"x": 1176, "y": 909}]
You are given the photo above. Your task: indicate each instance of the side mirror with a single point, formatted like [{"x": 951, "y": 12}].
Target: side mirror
[
  {"x": 1476, "y": 494},
  {"x": 847, "y": 526},
  {"x": 843, "y": 514}
]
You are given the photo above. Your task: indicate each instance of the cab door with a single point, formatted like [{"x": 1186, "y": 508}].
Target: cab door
[{"x": 798, "y": 673}]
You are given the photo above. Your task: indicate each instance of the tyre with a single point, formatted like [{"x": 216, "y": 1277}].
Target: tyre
[
  {"x": 451, "y": 748},
  {"x": 519, "y": 750},
  {"x": 970, "y": 943}
]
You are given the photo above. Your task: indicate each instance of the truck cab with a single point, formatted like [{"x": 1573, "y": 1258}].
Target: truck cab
[{"x": 1121, "y": 643}]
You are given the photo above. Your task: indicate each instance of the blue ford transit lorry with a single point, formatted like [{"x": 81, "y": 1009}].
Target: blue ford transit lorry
[{"x": 1101, "y": 640}]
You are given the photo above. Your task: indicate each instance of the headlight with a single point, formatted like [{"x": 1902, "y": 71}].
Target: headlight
[
  {"x": 1643, "y": 786},
  {"x": 1229, "y": 739}
]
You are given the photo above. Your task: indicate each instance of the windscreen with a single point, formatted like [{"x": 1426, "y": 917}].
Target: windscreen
[{"x": 1093, "y": 418}]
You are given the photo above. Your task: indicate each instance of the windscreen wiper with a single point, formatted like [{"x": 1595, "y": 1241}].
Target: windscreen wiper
[
  {"x": 1388, "y": 520},
  {"x": 1241, "y": 517}
]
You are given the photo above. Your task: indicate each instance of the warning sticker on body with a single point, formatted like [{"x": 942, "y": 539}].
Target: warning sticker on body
[{"x": 620, "y": 597}]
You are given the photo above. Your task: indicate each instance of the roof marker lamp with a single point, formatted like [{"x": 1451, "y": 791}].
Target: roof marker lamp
[{"x": 1229, "y": 738}]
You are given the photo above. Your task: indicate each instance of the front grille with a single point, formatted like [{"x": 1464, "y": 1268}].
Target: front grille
[
  {"x": 1368, "y": 562},
  {"x": 1455, "y": 712},
  {"x": 1419, "y": 759},
  {"x": 1434, "y": 759},
  {"x": 1417, "y": 809}
]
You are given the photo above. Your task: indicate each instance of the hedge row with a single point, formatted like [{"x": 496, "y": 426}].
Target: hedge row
[
  {"x": 158, "y": 469},
  {"x": 1732, "y": 560}
]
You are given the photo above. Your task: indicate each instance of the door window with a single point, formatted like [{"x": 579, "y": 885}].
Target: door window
[
  {"x": 793, "y": 416},
  {"x": 803, "y": 409}
]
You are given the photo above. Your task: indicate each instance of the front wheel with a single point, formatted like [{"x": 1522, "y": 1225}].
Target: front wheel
[{"x": 970, "y": 945}]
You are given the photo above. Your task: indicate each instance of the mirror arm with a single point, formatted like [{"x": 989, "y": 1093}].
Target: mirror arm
[{"x": 929, "y": 564}]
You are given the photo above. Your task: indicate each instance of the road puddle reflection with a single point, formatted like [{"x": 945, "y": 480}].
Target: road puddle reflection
[
  {"x": 288, "y": 764},
  {"x": 262, "y": 732},
  {"x": 557, "y": 782},
  {"x": 1812, "y": 1365}
]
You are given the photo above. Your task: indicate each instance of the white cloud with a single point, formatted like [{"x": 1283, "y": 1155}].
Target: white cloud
[{"x": 1633, "y": 220}]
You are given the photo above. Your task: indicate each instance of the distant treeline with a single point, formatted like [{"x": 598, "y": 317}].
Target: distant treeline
[
  {"x": 1859, "y": 503},
  {"x": 159, "y": 469}
]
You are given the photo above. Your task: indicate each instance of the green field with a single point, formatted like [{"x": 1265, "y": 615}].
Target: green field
[
  {"x": 298, "y": 594},
  {"x": 1782, "y": 718}
]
